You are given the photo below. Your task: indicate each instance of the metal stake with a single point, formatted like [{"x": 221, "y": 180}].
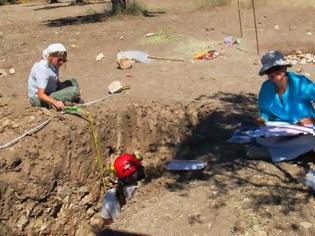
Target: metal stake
[
  {"x": 257, "y": 44},
  {"x": 239, "y": 17}
]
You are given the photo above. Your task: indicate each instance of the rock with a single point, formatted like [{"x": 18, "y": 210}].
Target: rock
[
  {"x": 149, "y": 35},
  {"x": 90, "y": 212},
  {"x": 306, "y": 225},
  {"x": 125, "y": 63},
  {"x": 121, "y": 37},
  {"x": 100, "y": 56},
  {"x": 276, "y": 27},
  {"x": 73, "y": 46},
  {"x": 12, "y": 71},
  {"x": 83, "y": 190},
  {"x": 22, "y": 222},
  {"x": 309, "y": 33},
  {"x": 87, "y": 200}
]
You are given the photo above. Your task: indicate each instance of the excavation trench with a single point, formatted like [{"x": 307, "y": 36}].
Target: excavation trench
[{"x": 50, "y": 181}]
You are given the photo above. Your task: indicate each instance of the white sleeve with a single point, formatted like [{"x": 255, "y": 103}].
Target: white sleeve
[
  {"x": 105, "y": 213},
  {"x": 41, "y": 76},
  {"x": 111, "y": 207}
]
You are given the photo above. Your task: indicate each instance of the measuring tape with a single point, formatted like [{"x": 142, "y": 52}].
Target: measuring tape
[{"x": 76, "y": 110}]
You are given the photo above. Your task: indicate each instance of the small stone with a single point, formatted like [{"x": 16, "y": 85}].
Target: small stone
[
  {"x": 22, "y": 222},
  {"x": 309, "y": 33},
  {"x": 90, "y": 212},
  {"x": 73, "y": 46},
  {"x": 276, "y": 27},
  {"x": 149, "y": 35},
  {"x": 100, "y": 56},
  {"x": 306, "y": 225},
  {"x": 12, "y": 71},
  {"x": 87, "y": 200},
  {"x": 121, "y": 37}
]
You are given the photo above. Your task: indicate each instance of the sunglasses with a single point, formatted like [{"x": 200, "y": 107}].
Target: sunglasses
[
  {"x": 61, "y": 59},
  {"x": 276, "y": 69}
]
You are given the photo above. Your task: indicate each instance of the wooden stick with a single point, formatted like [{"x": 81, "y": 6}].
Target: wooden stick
[
  {"x": 166, "y": 58},
  {"x": 239, "y": 17},
  {"x": 254, "y": 13}
]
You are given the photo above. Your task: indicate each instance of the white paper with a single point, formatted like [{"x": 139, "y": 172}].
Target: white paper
[{"x": 186, "y": 165}]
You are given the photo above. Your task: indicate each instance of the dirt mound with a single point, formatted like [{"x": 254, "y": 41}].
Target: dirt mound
[{"x": 49, "y": 181}]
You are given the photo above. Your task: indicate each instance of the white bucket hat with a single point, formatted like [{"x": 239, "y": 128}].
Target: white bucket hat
[
  {"x": 271, "y": 59},
  {"x": 52, "y": 48}
]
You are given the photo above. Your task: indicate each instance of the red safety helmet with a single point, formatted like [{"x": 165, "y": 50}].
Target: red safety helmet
[{"x": 125, "y": 165}]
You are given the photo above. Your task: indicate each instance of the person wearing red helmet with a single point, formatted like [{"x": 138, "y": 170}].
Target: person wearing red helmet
[{"x": 128, "y": 170}]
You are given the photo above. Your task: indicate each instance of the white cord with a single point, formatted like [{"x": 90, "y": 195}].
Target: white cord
[
  {"x": 95, "y": 101},
  {"x": 34, "y": 130},
  {"x": 42, "y": 125}
]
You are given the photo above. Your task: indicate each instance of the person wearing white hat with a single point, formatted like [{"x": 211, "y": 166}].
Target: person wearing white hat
[{"x": 44, "y": 86}]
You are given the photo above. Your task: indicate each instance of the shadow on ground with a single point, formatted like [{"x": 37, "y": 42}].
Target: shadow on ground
[
  {"x": 109, "y": 232},
  {"x": 228, "y": 168},
  {"x": 93, "y": 18},
  {"x": 70, "y": 4}
]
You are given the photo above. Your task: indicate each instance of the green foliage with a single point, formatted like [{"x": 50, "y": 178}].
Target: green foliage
[{"x": 3, "y": 2}]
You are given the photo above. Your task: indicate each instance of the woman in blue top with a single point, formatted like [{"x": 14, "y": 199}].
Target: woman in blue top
[{"x": 285, "y": 96}]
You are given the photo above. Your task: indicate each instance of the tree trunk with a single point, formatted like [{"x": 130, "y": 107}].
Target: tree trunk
[{"x": 118, "y": 5}]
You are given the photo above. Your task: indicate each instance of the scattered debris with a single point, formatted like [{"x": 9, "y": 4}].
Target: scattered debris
[
  {"x": 3, "y": 73},
  {"x": 149, "y": 34},
  {"x": 206, "y": 55},
  {"x": 100, "y": 56},
  {"x": 142, "y": 57},
  {"x": 299, "y": 57},
  {"x": 129, "y": 76},
  {"x": 230, "y": 41},
  {"x": 12, "y": 71},
  {"x": 186, "y": 165},
  {"x": 125, "y": 63}
]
